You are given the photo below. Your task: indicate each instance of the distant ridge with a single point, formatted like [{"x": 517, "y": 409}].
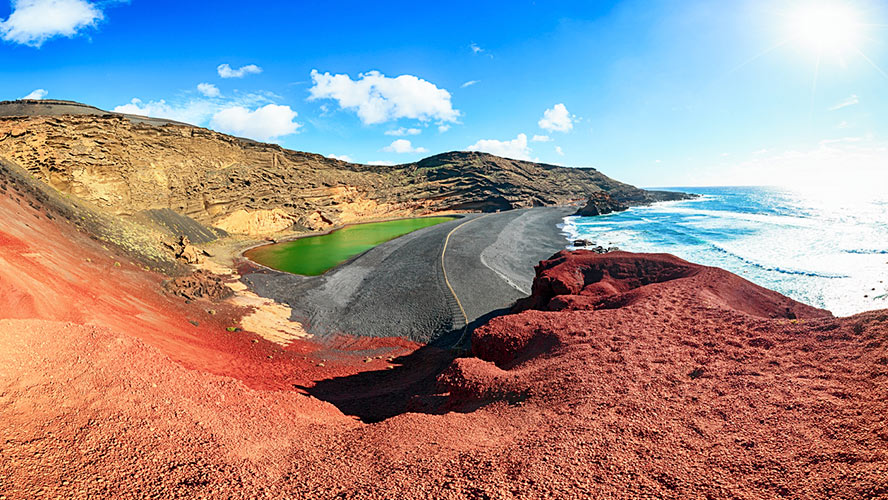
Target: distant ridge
[
  {"x": 128, "y": 165},
  {"x": 59, "y": 107}
]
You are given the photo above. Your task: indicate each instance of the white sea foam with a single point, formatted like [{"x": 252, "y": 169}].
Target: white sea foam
[{"x": 823, "y": 252}]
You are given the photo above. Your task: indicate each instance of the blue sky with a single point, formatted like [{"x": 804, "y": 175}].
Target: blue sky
[{"x": 655, "y": 93}]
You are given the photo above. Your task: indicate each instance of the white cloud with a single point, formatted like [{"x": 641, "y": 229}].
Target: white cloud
[
  {"x": 226, "y": 71},
  {"x": 33, "y": 22},
  {"x": 248, "y": 115},
  {"x": 208, "y": 89},
  {"x": 516, "y": 148},
  {"x": 829, "y": 143},
  {"x": 559, "y": 150},
  {"x": 377, "y": 98},
  {"x": 381, "y": 163},
  {"x": 264, "y": 124},
  {"x": 403, "y": 146},
  {"x": 36, "y": 94},
  {"x": 468, "y": 84},
  {"x": 476, "y": 49},
  {"x": 844, "y": 103},
  {"x": 195, "y": 112},
  {"x": 443, "y": 128},
  {"x": 540, "y": 138},
  {"x": 557, "y": 119},
  {"x": 400, "y": 132},
  {"x": 341, "y": 158}
]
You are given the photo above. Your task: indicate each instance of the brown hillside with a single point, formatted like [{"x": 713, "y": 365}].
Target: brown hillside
[{"x": 127, "y": 165}]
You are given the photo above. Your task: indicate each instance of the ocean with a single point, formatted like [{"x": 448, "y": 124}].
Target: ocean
[{"x": 823, "y": 248}]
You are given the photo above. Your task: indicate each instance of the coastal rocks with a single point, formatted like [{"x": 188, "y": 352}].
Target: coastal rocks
[
  {"x": 592, "y": 247},
  {"x": 599, "y": 204},
  {"x": 584, "y": 279},
  {"x": 600, "y": 249},
  {"x": 636, "y": 197},
  {"x": 189, "y": 253},
  {"x": 200, "y": 285},
  {"x": 573, "y": 290},
  {"x": 186, "y": 252}
]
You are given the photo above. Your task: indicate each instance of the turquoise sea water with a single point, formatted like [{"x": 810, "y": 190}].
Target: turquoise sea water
[{"x": 823, "y": 248}]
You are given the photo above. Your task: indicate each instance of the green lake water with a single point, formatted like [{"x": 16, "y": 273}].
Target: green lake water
[{"x": 315, "y": 255}]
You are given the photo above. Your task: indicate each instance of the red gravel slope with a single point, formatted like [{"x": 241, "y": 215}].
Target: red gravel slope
[
  {"x": 677, "y": 380},
  {"x": 625, "y": 376},
  {"x": 50, "y": 269}
]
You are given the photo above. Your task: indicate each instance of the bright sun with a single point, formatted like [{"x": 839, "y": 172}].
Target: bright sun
[{"x": 826, "y": 27}]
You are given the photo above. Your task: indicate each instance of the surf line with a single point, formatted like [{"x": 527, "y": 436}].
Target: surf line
[{"x": 447, "y": 281}]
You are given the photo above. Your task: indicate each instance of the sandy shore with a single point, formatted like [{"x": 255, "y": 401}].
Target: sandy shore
[{"x": 398, "y": 288}]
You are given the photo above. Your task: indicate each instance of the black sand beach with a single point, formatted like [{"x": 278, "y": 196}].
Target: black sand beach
[{"x": 399, "y": 288}]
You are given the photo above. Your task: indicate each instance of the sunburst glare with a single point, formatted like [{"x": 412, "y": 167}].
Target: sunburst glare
[{"x": 826, "y": 27}]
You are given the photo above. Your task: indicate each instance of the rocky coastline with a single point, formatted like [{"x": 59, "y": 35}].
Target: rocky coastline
[{"x": 601, "y": 204}]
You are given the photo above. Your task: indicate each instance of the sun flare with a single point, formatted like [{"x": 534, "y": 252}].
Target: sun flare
[{"x": 826, "y": 27}]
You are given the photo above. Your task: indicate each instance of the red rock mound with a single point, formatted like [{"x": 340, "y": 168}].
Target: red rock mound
[
  {"x": 584, "y": 280},
  {"x": 199, "y": 285},
  {"x": 587, "y": 281},
  {"x": 590, "y": 280},
  {"x": 658, "y": 378}
]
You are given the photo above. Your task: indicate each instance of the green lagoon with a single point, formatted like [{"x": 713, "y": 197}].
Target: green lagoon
[{"x": 314, "y": 255}]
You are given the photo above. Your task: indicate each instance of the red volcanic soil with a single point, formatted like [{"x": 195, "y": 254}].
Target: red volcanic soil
[
  {"x": 623, "y": 376},
  {"x": 51, "y": 270},
  {"x": 670, "y": 379}
]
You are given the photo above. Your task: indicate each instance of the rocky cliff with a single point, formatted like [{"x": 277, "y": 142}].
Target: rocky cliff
[
  {"x": 600, "y": 204},
  {"x": 127, "y": 165}
]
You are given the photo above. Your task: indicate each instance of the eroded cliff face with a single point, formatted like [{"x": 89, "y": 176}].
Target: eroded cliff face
[
  {"x": 126, "y": 168},
  {"x": 126, "y": 165}
]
